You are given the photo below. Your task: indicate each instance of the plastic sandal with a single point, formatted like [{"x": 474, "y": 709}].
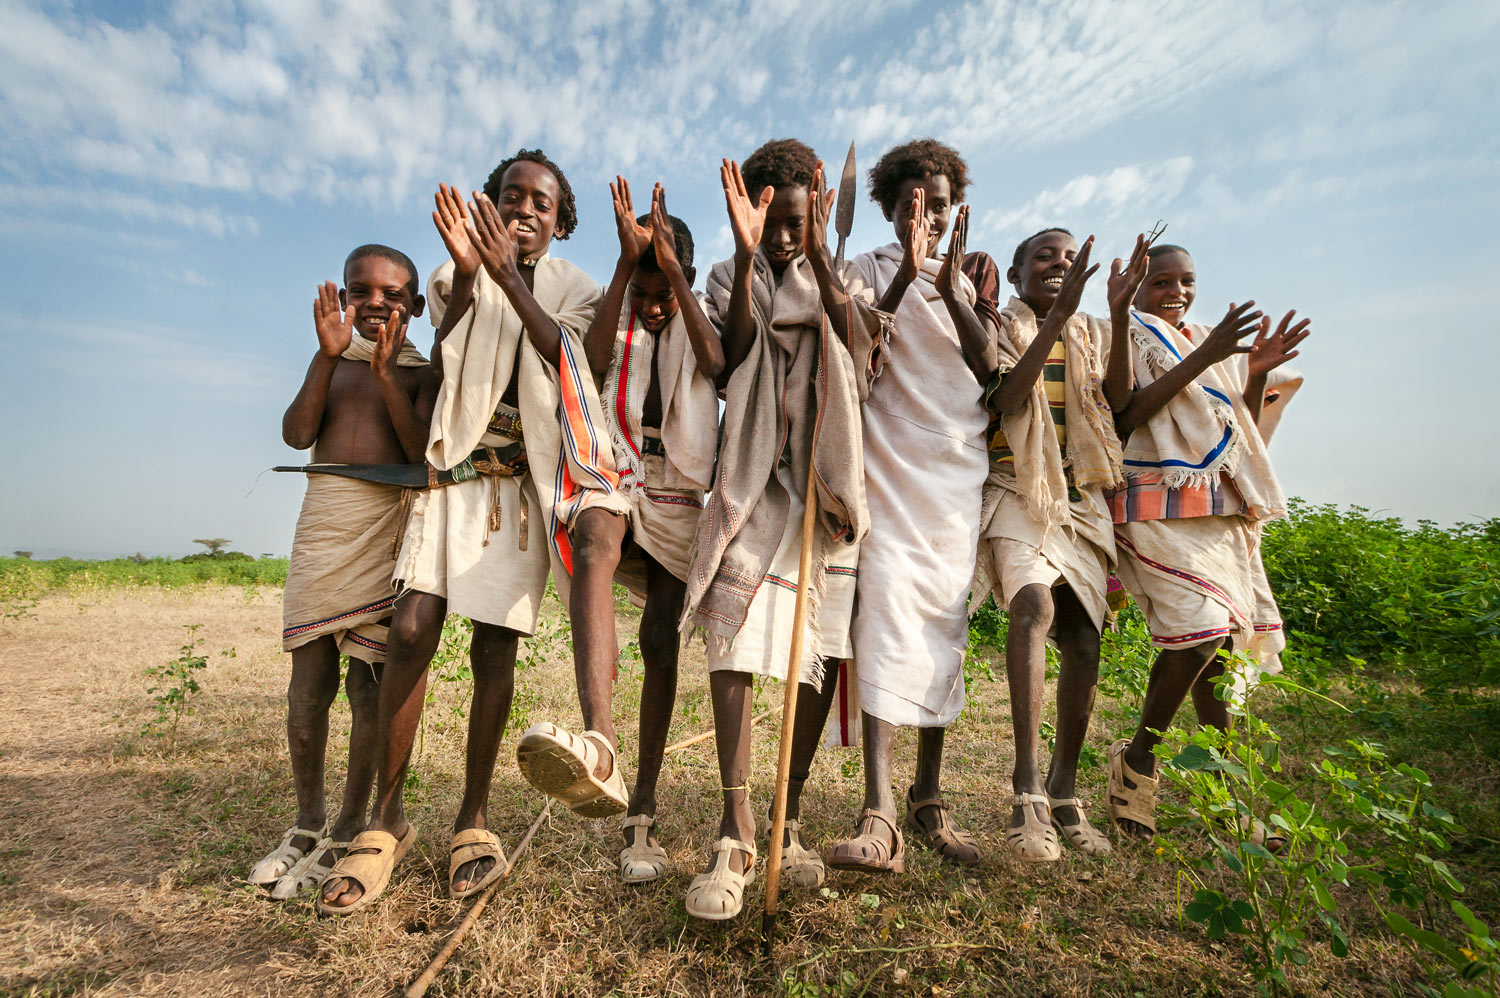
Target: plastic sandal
[
  {"x": 719, "y": 894},
  {"x": 308, "y": 874},
  {"x": 947, "y": 839},
  {"x": 800, "y": 866},
  {"x": 1125, "y": 804},
  {"x": 1034, "y": 841},
  {"x": 870, "y": 851},
  {"x": 470, "y": 845},
  {"x": 1082, "y": 836},
  {"x": 562, "y": 766},
  {"x": 279, "y": 862},
  {"x": 641, "y": 862},
  {"x": 371, "y": 857}
]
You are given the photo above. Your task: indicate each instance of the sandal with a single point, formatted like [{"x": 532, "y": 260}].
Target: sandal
[
  {"x": 309, "y": 873},
  {"x": 1124, "y": 803},
  {"x": 470, "y": 845},
  {"x": 719, "y": 894},
  {"x": 870, "y": 851},
  {"x": 800, "y": 866},
  {"x": 371, "y": 857},
  {"x": 947, "y": 839},
  {"x": 562, "y": 766},
  {"x": 1034, "y": 841},
  {"x": 1082, "y": 836},
  {"x": 279, "y": 862},
  {"x": 641, "y": 862}
]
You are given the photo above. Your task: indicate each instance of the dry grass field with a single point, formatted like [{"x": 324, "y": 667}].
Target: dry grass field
[{"x": 121, "y": 860}]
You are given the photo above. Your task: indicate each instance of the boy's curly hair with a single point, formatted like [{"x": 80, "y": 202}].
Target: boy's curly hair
[
  {"x": 567, "y": 208},
  {"x": 921, "y": 159},
  {"x": 779, "y": 163},
  {"x": 1020, "y": 254},
  {"x": 395, "y": 256},
  {"x": 682, "y": 239}
]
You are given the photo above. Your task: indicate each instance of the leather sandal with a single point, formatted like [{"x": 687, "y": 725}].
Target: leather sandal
[
  {"x": 719, "y": 894},
  {"x": 371, "y": 857},
  {"x": 870, "y": 851},
  {"x": 468, "y": 846},
  {"x": 641, "y": 862},
  {"x": 561, "y": 765},
  {"x": 1082, "y": 835},
  {"x": 1034, "y": 840},
  {"x": 800, "y": 866},
  {"x": 947, "y": 839},
  {"x": 1126, "y": 804}
]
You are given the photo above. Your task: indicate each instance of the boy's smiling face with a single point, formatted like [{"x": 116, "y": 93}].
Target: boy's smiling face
[
  {"x": 651, "y": 298},
  {"x": 376, "y": 286},
  {"x": 529, "y": 195},
  {"x": 1169, "y": 288},
  {"x": 1048, "y": 257},
  {"x": 939, "y": 204},
  {"x": 786, "y": 218}
]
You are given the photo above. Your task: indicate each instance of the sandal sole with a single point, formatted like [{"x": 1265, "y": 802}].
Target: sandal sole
[{"x": 553, "y": 769}]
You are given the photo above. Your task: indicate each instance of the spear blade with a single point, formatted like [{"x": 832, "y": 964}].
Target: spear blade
[{"x": 843, "y": 221}]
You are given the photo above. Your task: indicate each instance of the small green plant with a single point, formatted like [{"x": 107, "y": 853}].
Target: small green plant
[{"x": 175, "y": 685}]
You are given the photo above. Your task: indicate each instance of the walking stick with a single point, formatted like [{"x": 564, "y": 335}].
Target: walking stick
[{"x": 789, "y": 705}]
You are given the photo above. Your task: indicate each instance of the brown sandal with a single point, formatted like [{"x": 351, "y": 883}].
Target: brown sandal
[
  {"x": 947, "y": 839},
  {"x": 869, "y": 851}
]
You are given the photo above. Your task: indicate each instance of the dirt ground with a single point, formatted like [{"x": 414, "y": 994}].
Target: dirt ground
[{"x": 121, "y": 859}]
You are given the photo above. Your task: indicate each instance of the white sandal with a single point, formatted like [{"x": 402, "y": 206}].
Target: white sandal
[
  {"x": 279, "y": 862},
  {"x": 1082, "y": 836},
  {"x": 1034, "y": 841},
  {"x": 800, "y": 866},
  {"x": 561, "y": 765},
  {"x": 640, "y": 861},
  {"x": 719, "y": 894},
  {"x": 308, "y": 874}
]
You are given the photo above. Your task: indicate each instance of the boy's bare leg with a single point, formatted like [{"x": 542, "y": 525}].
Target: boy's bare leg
[
  {"x": 807, "y": 734},
  {"x": 362, "y": 685},
  {"x": 597, "y": 535},
  {"x": 660, "y": 643},
  {"x": 879, "y": 754},
  {"x": 1172, "y": 677},
  {"x": 732, "y": 695},
  {"x": 416, "y": 629},
  {"x": 1077, "y": 680},
  {"x": 1210, "y": 709},
  {"x": 1031, "y": 612},
  {"x": 309, "y": 695},
  {"x": 927, "y": 784},
  {"x": 492, "y": 655}
]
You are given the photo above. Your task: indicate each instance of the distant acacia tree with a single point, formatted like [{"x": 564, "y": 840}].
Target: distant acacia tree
[
  {"x": 214, "y": 544},
  {"x": 22, "y": 554}
]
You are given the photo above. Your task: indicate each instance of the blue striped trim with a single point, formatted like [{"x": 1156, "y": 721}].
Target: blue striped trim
[{"x": 1214, "y": 454}]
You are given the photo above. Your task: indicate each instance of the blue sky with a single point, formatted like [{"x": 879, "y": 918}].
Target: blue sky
[{"x": 176, "y": 178}]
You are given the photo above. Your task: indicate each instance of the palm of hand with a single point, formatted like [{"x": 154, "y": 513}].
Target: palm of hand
[
  {"x": 748, "y": 221},
  {"x": 1268, "y": 355},
  {"x": 335, "y": 331},
  {"x": 466, "y": 257}
]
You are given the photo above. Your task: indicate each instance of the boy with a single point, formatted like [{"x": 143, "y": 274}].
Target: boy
[
  {"x": 363, "y": 401},
  {"x": 509, "y": 319},
  {"x": 923, "y": 423},
  {"x": 794, "y": 380},
  {"x": 1199, "y": 485},
  {"x": 655, "y": 352},
  {"x": 1047, "y": 541}
]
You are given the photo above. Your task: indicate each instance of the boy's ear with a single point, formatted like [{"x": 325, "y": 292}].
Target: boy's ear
[
  {"x": 417, "y": 305},
  {"x": 690, "y": 274},
  {"x": 343, "y": 300},
  {"x": 1013, "y": 277}
]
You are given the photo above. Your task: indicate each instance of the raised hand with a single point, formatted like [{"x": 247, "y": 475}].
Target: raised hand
[
  {"x": 1071, "y": 291},
  {"x": 1270, "y": 351},
  {"x": 663, "y": 238},
  {"x": 747, "y": 218},
  {"x": 496, "y": 244},
  {"x": 334, "y": 324},
  {"x": 452, "y": 221},
  {"x": 918, "y": 238},
  {"x": 1125, "y": 279},
  {"x": 634, "y": 237},
  {"x": 1224, "y": 341},
  {"x": 819, "y": 210},
  {"x": 947, "y": 277},
  {"x": 388, "y": 339}
]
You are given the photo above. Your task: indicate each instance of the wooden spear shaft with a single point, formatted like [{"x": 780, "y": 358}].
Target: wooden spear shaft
[{"x": 789, "y": 705}]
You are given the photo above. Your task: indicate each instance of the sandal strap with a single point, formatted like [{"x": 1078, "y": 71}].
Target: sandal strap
[
  {"x": 727, "y": 843},
  {"x": 1073, "y": 802},
  {"x": 1023, "y": 799},
  {"x": 870, "y": 812},
  {"x": 639, "y": 821}
]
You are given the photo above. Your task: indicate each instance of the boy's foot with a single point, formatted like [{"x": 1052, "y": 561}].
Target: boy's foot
[
  {"x": 719, "y": 893},
  {"x": 877, "y": 848},
  {"x": 1073, "y": 824},
  {"x": 363, "y": 874},
  {"x": 475, "y": 860},
  {"x": 578, "y": 770},
  {"x": 800, "y": 866},
  {"x": 929, "y": 822},
  {"x": 643, "y": 859},
  {"x": 311, "y": 871},
  {"x": 1031, "y": 837},
  {"x": 1132, "y": 797},
  {"x": 293, "y": 848}
]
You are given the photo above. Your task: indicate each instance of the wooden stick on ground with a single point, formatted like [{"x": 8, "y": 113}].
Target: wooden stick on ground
[
  {"x": 789, "y": 705},
  {"x": 704, "y": 736},
  {"x": 424, "y": 981}
]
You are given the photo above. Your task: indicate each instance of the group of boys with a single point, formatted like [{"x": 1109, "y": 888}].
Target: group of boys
[{"x": 955, "y": 445}]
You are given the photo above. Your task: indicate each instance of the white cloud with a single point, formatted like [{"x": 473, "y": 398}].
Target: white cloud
[{"x": 1136, "y": 192}]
